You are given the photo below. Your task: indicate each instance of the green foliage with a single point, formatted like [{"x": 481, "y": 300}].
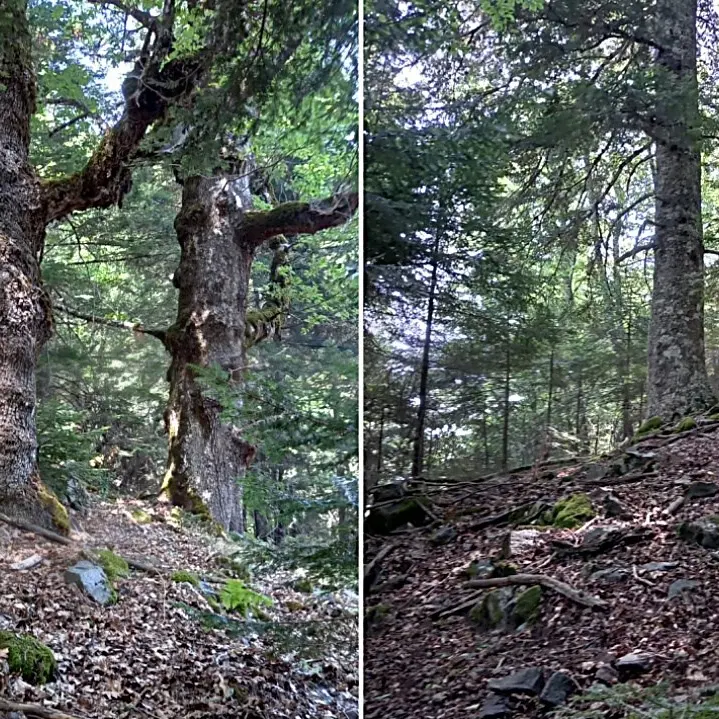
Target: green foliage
[
  {"x": 28, "y": 657},
  {"x": 237, "y": 596}
]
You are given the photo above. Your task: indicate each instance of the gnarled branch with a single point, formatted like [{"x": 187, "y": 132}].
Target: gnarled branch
[{"x": 298, "y": 218}]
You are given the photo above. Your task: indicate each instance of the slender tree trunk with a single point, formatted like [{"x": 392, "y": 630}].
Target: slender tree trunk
[
  {"x": 25, "y": 322},
  {"x": 418, "y": 447},
  {"x": 627, "y": 429},
  {"x": 505, "y": 420},
  {"x": 551, "y": 387},
  {"x": 677, "y": 383},
  {"x": 380, "y": 440}
]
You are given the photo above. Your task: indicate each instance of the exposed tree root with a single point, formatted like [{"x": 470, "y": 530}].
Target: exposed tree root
[
  {"x": 35, "y": 710},
  {"x": 372, "y": 569},
  {"x": 575, "y": 595}
]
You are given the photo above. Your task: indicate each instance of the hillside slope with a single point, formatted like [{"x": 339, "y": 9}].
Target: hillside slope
[{"x": 435, "y": 642}]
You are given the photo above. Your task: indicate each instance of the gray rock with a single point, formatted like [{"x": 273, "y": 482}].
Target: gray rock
[
  {"x": 92, "y": 580},
  {"x": 480, "y": 569},
  {"x": 607, "y": 674},
  {"x": 613, "y": 507},
  {"x": 658, "y": 566},
  {"x": 521, "y": 540},
  {"x": 704, "y": 532},
  {"x": 681, "y": 586},
  {"x": 207, "y": 589},
  {"x": 76, "y": 495},
  {"x": 444, "y": 535},
  {"x": 699, "y": 490},
  {"x": 494, "y": 706},
  {"x": 558, "y": 689},
  {"x": 635, "y": 662},
  {"x": 524, "y": 681},
  {"x": 612, "y": 575}
]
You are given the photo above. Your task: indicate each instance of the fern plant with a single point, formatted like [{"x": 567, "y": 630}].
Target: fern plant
[{"x": 237, "y": 596}]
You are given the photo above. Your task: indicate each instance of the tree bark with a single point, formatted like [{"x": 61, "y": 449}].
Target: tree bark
[
  {"x": 25, "y": 323},
  {"x": 505, "y": 419},
  {"x": 678, "y": 383},
  {"x": 219, "y": 235}
]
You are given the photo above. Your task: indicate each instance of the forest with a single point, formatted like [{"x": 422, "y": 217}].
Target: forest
[
  {"x": 179, "y": 273},
  {"x": 540, "y": 358}
]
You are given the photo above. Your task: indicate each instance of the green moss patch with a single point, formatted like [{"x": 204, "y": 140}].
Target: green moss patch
[
  {"x": 185, "y": 576},
  {"x": 140, "y": 516},
  {"x": 686, "y": 424},
  {"x": 572, "y": 511},
  {"x": 303, "y": 585},
  {"x": 59, "y": 514},
  {"x": 649, "y": 425},
  {"x": 114, "y": 565},
  {"x": 526, "y": 606},
  {"x": 28, "y": 657}
]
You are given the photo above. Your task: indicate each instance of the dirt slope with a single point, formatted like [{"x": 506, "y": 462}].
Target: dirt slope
[
  {"x": 420, "y": 666},
  {"x": 144, "y": 657}
]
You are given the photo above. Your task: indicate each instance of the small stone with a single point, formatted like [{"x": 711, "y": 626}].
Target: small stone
[
  {"x": 612, "y": 575},
  {"x": 521, "y": 540},
  {"x": 699, "y": 490},
  {"x": 494, "y": 706},
  {"x": 524, "y": 681},
  {"x": 558, "y": 689},
  {"x": 92, "y": 580},
  {"x": 443, "y": 535},
  {"x": 681, "y": 586},
  {"x": 635, "y": 662},
  {"x": 28, "y": 563},
  {"x": 613, "y": 507},
  {"x": 480, "y": 569},
  {"x": 607, "y": 674},
  {"x": 658, "y": 566}
]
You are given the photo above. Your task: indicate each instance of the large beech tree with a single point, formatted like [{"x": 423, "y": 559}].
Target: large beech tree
[
  {"x": 165, "y": 76},
  {"x": 219, "y": 234}
]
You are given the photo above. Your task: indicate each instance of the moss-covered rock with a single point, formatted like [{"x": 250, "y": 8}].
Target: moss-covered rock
[
  {"x": 490, "y": 612},
  {"x": 28, "y": 657},
  {"x": 387, "y": 518},
  {"x": 649, "y": 425},
  {"x": 183, "y": 575},
  {"x": 714, "y": 417},
  {"x": 376, "y": 613},
  {"x": 140, "y": 516},
  {"x": 234, "y": 567},
  {"x": 572, "y": 511},
  {"x": 526, "y": 605},
  {"x": 294, "y": 606},
  {"x": 114, "y": 565},
  {"x": 685, "y": 424},
  {"x": 303, "y": 585}
]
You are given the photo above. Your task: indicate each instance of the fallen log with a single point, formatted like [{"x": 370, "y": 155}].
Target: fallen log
[
  {"x": 371, "y": 570},
  {"x": 575, "y": 595},
  {"x": 35, "y": 710}
]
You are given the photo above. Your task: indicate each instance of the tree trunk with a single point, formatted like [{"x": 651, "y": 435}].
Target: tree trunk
[
  {"x": 25, "y": 322},
  {"x": 678, "y": 383},
  {"x": 208, "y": 455},
  {"x": 418, "y": 447},
  {"x": 505, "y": 419},
  {"x": 219, "y": 234}
]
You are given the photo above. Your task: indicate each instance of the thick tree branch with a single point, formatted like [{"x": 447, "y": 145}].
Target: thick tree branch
[
  {"x": 149, "y": 90},
  {"x": 116, "y": 324},
  {"x": 144, "y": 18},
  {"x": 298, "y": 218}
]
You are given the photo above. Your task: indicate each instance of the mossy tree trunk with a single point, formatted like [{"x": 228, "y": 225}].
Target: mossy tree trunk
[
  {"x": 24, "y": 307},
  {"x": 678, "y": 383},
  {"x": 219, "y": 235},
  {"x": 27, "y": 206}
]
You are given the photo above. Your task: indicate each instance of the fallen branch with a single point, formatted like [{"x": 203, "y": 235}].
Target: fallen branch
[
  {"x": 575, "y": 595},
  {"x": 676, "y": 505},
  {"x": 35, "y": 710},
  {"x": 522, "y": 512},
  {"x": 35, "y": 529},
  {"x": 371, "y": 570}
]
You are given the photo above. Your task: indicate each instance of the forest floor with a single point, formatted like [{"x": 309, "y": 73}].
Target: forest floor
[
  {"x": 444, "y": 664},
  {"x": 147, "y": 657}
]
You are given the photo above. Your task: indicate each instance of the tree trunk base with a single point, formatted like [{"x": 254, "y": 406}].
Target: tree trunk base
[{"x": 38, "y": 505}]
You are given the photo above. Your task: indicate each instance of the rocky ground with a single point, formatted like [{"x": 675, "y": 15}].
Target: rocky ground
[
  {"x": 148, "y": 656},
  {"x": 644, "y": 557}
]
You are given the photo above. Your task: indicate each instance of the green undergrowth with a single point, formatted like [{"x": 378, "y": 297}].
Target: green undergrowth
[
  {"x": 185, "y": 576},
  {"x": 114, "y": 565},
  {"x": 629, "y": 701},
  {"x": 236, "y": 596}
]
